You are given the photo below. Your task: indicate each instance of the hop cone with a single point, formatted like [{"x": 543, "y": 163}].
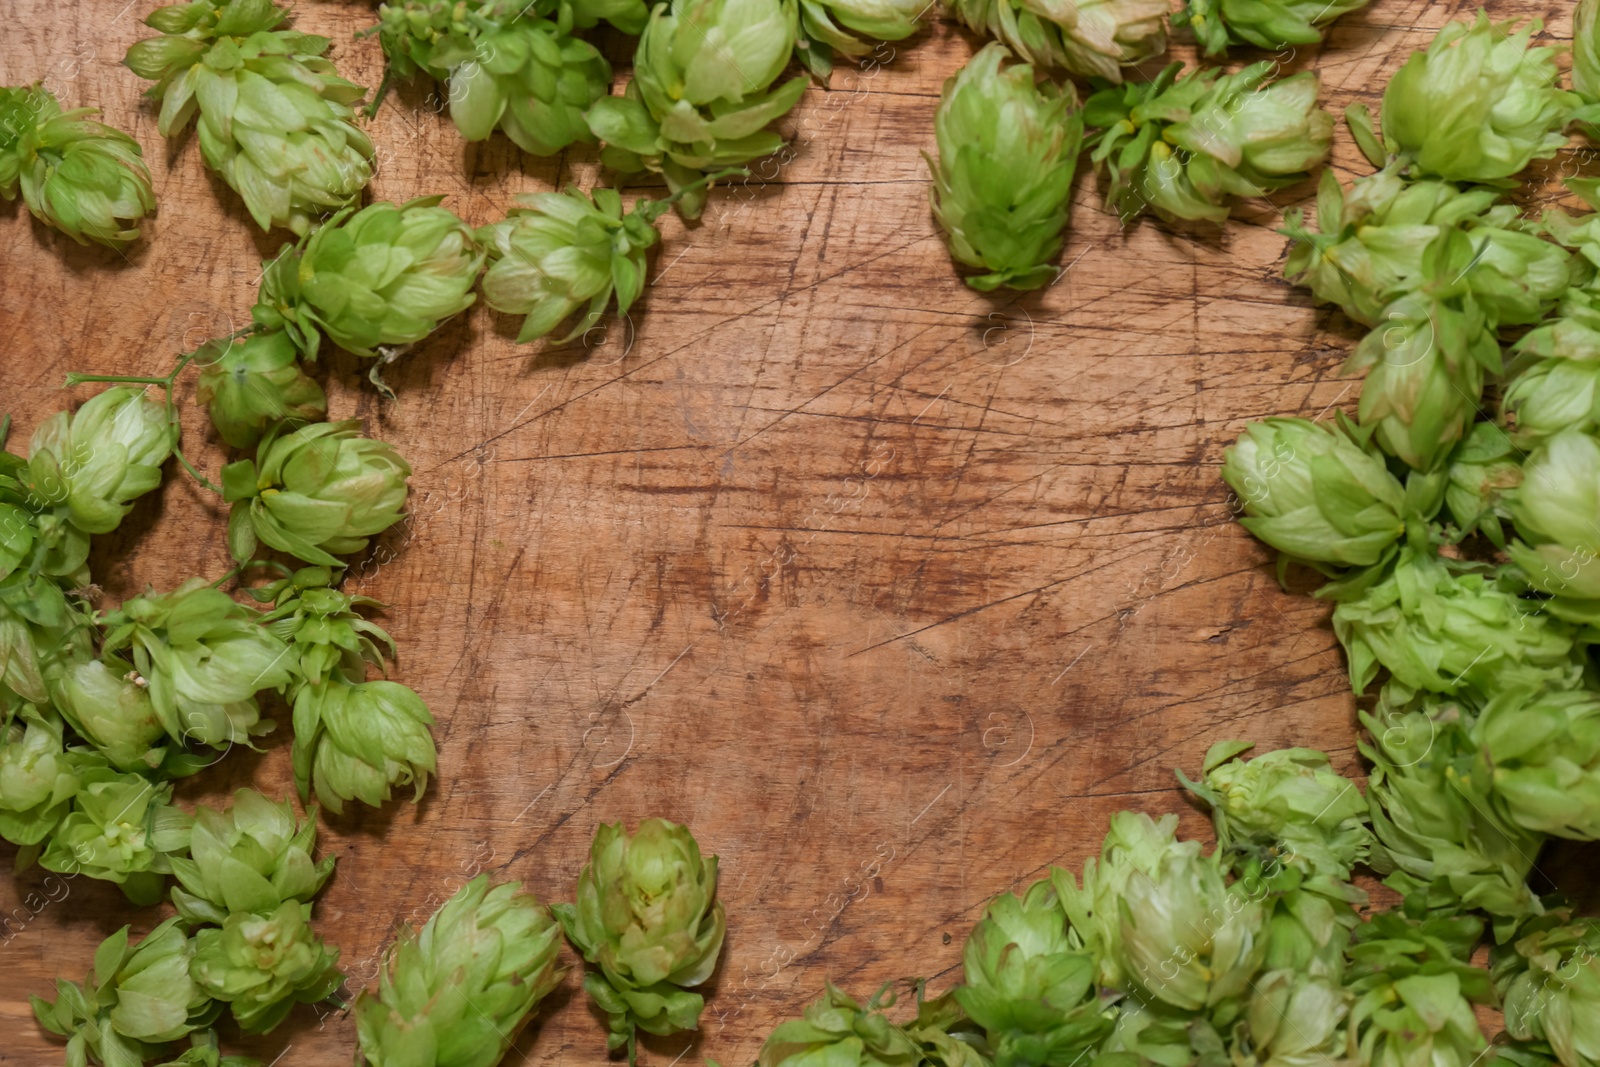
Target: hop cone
[
  {"x": 1033, "y": 994},
  {"x": 263, "y": 964},
  {"x": 1184, "y": 147},
  {"x": 120, "y": 828},
  {"x": 1314, "y": 492},
  {"x": 42, "y": 634},
  {"x": 38, "y": 776},
  {"x": 274, "y": 118},
  {"x": 554, "y": 252},
  {"x": 1549, "y": 984},
  {"x": 456, "y": 993},
  {"x": 1007, "y": 151},
  {"x": 1538, "y": 760},
  {"x": 701, "y": 96},
  {"x": 96, "y": 461},
  {"x": 386, "y": 276},
  {"x": 839, "y": 1030},
  {"x": 1478, "y": 105},
  {"x": 1090, "y": 38},
  {"x": 358, "y": 740},
  {"x": 1219, "y": 24},
  {"x": 136, "y": 1000},
  {"x": 328, "y": 637},
  {"x": 1554, "y": 511},
  {"x": 251, "y": 384},
  {"x": 82, "y": 177},
  {"x": 315, "y": 491},
  {"x": 250, "y": 857},
  {"x": 1484, "y": 471},
  {"x": 1586, "y": 65},
  {"x": 106, "y": 707},
  {"x": 827, "y": 26},
  {"x": 531, "y": 79},
  {"x": 647, "y": 917}
]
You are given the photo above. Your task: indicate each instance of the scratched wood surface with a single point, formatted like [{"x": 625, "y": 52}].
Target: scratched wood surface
[{"x": 893, "y": 591}]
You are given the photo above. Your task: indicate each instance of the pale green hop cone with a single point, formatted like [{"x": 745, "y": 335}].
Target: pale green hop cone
[
  {"x": 839, "y": 1030},
  {"x": 1007, "y": 152},
  {"x": 249, "y": 857},
  {"x": 96, "y": 461},
  {"x": 1554, "y": 512},
  {"x": 106, "y": 706},
  {"x": 120, "y": 829},
  {"x": 1484, "y": 472},
  {"x": 849, "y": 27},
  {"x": 1220, "y": 24},
  {"x": 81, "y": 177},
  {"x": 263, "y": 964},
  {"x": 359, "y": 741},
  {"x": 1538, "y": 760},
  {"x": 1549, "y": 983},
  {"x": 38, "y": 776},
  {"x": 250, "y": 384},
  {"x": 1089, "y": 38}
]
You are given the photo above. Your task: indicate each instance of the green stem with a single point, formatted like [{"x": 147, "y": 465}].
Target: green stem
[
  {"x": 79, "y": 379},
  {"x": 282, "y": 568},
  {"x": 743, "y": 172},
  {"x": 5, "y": 430}
]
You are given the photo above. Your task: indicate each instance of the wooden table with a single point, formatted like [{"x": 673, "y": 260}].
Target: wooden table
[{"x": 892, "y": 590}]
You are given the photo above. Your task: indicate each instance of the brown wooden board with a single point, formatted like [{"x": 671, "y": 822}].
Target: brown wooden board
[{"x": 893, "y": 591}]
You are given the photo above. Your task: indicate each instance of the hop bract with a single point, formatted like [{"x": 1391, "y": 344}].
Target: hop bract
[
  {"x": 275, "y": 119},
  {"x": 827, "y": 26},
  {"x": 1217, "y": 24},
  {"x": 1313, "y": 492},
  {"x": 1033, "y": 994},
  {"x": 1007, "y": 151},
  {"x": 81, "y": 177},
  {"x": 1549, "y": 983},
  {"x": 701, "y": 96},
  {"x": 647, "y": 917},
  {"x": 555, "y": 252},
  {"x": 1478, "y": 105},
  {"x": 1554, "y": 512},
  {"x": 386, "y": 276},
  {"x": 96, "y": 461},
  {"x": 312, "y": 492},
  {"x": 1091, "y": 38},
  {"x": 457, "y": 992},
  {"x": 1184, "y": 147},
  {"x": 249, "y": 385},
  {"x": 249, "y": 857},
  {"x": 137, "y": 998}
]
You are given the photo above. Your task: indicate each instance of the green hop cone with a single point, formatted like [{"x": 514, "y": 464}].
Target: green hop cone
[
  {"x": 248, "y": 385},
  {"x": 372, "y": 282},
  {"x": 1549, "y": 984},
  {"x": 1275, "y": 24},
  {"x": 1447, "y": 627},
  {"x": 113, "y": 713},
  {"x": 120, "y": 829},
  {"x": 95, "y": 462},
  {"x": 79, "y": 176},
  {"x": 1586, "y": 66},
  {"x": 827, "y": 26},
  {"x": 647, "y": 917},
  {"x": 1288, "y": 806},
  {"x": 328, "y": 636},
  {"x": 321, "y": 489},
  {"x": 555, "y": 252},
  {"x": 1433, "y": 836},
  {"x": 457, "y": 992},
  {"x": 1555, "y": 511},
  {"x": 701, "y": 96},
  {"x": 1314, "y": 492},
  {"x": 275, "y": 120},
  {"x": 1185, "y": 147},
  {"x": 263, "y": 964},
  {"x": 203, "y": 657},
  {"x": 531, "y": 79},
  {"x": 1484, "y": 472},
  {"x": 1478, "y": 105},
  {"x": 250, "y": 857},
  {"x": 42, "y": 633},
  {"x": 840, "y": 1030},
  {"x": 359, "y": 740},
  {"x": 1089, "y": 38},
  {"x": 1033, "y": 994},
  {"x": 138, "y": 998},
  {"x": 1007, "y": 151},
  {"x": 204, "y": 1051},
  {"x": 1538, "y": 760},
  {"x": 38, "y": 776}
]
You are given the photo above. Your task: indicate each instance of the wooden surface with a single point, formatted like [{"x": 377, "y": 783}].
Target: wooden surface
[{"x": 893, "y": 591}]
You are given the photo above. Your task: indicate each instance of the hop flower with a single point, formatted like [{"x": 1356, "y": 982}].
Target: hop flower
[
  {"x": 386, "y": 276},
  {"x": 137, "y": 998},
  {"x": 251, "y": 857},
  {"x": 1549, "y": 983},
  {"x": 701, "y": 95},
  {"x": 1586, "y": 65},
  {"x": 1218, "y": 24},
  {"x": 1090, "y": 38},
  {"x": 275, "y": 119},
  {"x": 329, "y": 637},
  {"x": 42, "y": 633},
  {"x": 1432, "y": 838},
  {"x": 203, "y": 657},
  {"x": 357, "y": 740},
  {"x": 1554, "y": 511},
  {"x": 531, "y": 79},
  {"x": 839, "y": 1029},
  {"x": 556, "y": 251},
  {"x": 1483, "y": 472},
  {"x": 827, "y": 26},
  {"x": 1007, "y": 151},
  {"x": 647, "y": 916},
  {"x": 120, "y": 828},
  {"x": 98, "y": 460},
  {"x": 1026, "y": 986},
  {"x": 311, "y": 492},
  {"x": 113, "y": 713},
  {"x": 1538, "y": 760},
  {"x": 1478, "y": 105},
  {"x": 1314, "y": 492},
  {"x": 1446, "y": 627},
  {"x": 1184, "y": 147},
  {"x": 262, "y": 965},
  {"x": 38, "y": 776},
  {"x": 456, "y": 993},
  {"x": 1287, "y": 806},
  {"x": 249, "y": 385},
  {"x": 82, "y": 177}
]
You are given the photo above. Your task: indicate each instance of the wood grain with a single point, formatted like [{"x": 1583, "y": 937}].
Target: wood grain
[{"x": 892, "y": 590}]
